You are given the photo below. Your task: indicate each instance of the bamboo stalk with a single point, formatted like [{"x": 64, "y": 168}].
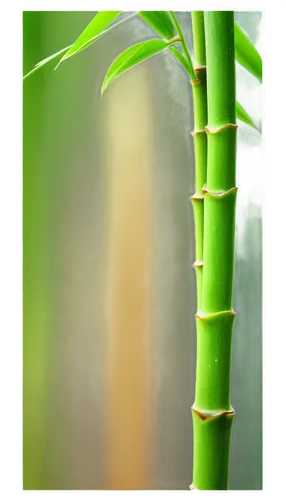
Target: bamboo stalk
[
  {"x": 199, "y": 89},
  {"x": 212, "y": 412}
]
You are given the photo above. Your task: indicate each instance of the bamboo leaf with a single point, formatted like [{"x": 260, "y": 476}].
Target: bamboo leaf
[
  {"x": 243, "y": 116},
  {"x": 133, "y": 56},
  {"x": 46, "y": 60},
  {"x": 246, "y": 54},
  {"x": 80, "y": 48},
  {"x": 182, "y": 59},
  {"x": 160, "y": 21},
  {"x": 91, "y": 32}
]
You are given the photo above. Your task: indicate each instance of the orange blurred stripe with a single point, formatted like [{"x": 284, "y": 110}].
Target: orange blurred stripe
[{"x": 129, "y": 131}]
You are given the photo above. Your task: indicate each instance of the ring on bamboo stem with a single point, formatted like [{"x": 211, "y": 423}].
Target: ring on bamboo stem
[
  {"x": 196, "y": 197},
  {"x": 219, "y": 194},
  {"x": 200, "y": 68},
  {"x": 198, "y": 263},
  {"x": 208, "y": 414},
  {"x": 213, "y": 315},
  {"x": 212, "y": 130},
  {"x": 197, "y": 132}
]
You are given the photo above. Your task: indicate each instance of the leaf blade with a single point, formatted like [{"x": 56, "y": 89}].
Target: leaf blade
[
  {"x": 182, "y": 59},
  {"x": 131, "y": 57},
  {"x": 160, "y": 21},
  {"x": 92, "y": 30},
  {"x": 45, "y": 61},
  {"x": 243, "y": 116},
  {"x": 246, "y": 54},
  {"x": 53, "y": 56}
]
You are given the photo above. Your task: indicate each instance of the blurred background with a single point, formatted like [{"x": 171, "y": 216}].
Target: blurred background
[{"x": 109, "y": 289}]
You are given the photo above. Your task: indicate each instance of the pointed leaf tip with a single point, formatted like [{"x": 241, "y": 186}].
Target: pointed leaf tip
[
  {"x": 182, "y": 60},
  {"x": 84, "y": 41},
  {"x": 243, "y": 116},
  {"x": 246, "y": 54},
  {"x": 160, "y": 21},
  {"x": 131, "y": 57},
  {"x": 45, "y": 61},
  {"x": 92, "y": 31}
]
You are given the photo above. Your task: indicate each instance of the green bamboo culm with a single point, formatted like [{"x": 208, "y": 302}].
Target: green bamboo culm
[
  {"x": 212, "y": 77},
  {"x": 212, "y": 412},
  {"x": 199, "y": 88}
]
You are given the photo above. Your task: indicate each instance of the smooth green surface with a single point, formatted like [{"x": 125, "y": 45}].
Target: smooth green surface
[
  {"x": 215, "y": 319},
  {"x": 199, "y": 89},
  {"x": 91, "y": 32},
  {"x": 220, "y": 67},
  {"x": 213, "y": 435},
  {"x": 160, "y": 21},
  {"x": 243, "y": 116},
  {"x": 221, "y": 159},
  {"x": 182, "y": 59},
  {"x": 200, "y": 143},
  {"x": 132, "y": 56},
  {"x": 183, "y": 42},
  {"x": 200, "y": 100},
  {"x": 219, "y": 228},
  {"x": 198, "y": 29},
  {"x": 247, "y": 55},
  {"x": 198, "y": 208},
  {"x": 213, "y": 361}
]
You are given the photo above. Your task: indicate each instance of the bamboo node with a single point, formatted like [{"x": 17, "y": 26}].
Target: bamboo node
[
  {"x": 209, "y": 414},
  {"x": 203, "y": 316},
  {"x": 198, "y": 263},
  {"x": 197, "y": 132},
  {"x": 176, "y": 38},
  {"x": 196, "y": 81},
  {"x": 212, "y": 130},
  {"x": 218, "y": 194},
  {"x": 200, "y": 68},
  {"x": 196, "y": 197}
]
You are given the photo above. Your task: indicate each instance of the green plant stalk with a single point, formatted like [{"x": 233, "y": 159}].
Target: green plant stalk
[
  {"x": 183, "y": 43},
  {"x": 212, "y": 412},
  {"x": 199, "y": 89},
  {"x": 214, "y": 208}
]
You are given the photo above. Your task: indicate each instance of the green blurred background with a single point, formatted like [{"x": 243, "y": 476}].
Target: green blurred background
[{"x": 109, "y": 289}]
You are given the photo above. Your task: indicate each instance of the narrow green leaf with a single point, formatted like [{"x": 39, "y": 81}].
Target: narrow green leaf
[
  {"x": 45, "y": 61},
  {"x": 182, "y": 59},
  {"x": 242, "y": 115},
  {"x": 246, "y": 54},
  {"x": 183, "y": 43},
  {"x": 93, "y": 29},
  {"x": 160, "y": 21},
  {"x": 132, "y": 56},
  {"x": 66, "y": 49}
]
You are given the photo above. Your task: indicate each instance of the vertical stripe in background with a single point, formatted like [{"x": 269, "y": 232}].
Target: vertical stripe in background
[
  {"x": 37, "y": 286},
  {"x": 129, "y": 136}
]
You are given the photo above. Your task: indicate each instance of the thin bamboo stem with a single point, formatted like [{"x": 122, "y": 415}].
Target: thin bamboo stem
[
  {"x": 183, "y": 43},
  {"x": 199, "y": 87},
  {"x": 212, "y": 412}
]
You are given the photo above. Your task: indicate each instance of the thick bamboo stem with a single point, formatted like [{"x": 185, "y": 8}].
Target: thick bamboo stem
[{"x": 212, "y": 412}]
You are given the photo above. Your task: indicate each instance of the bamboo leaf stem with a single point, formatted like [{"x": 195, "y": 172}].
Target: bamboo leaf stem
[{"x": 183, "y": 43}]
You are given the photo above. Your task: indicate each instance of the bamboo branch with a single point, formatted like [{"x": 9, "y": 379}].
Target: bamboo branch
[{"x": 183, "y": 43}]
